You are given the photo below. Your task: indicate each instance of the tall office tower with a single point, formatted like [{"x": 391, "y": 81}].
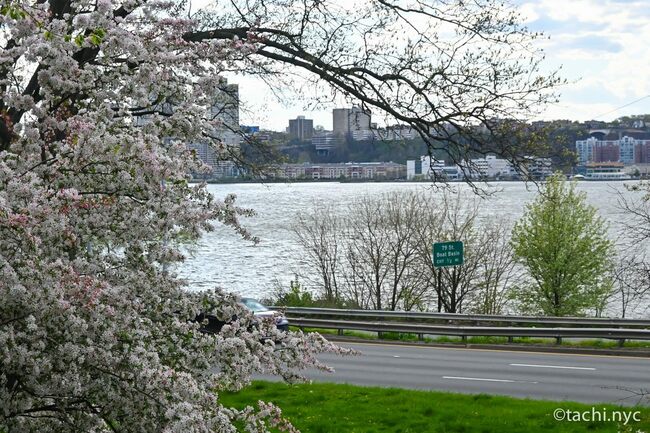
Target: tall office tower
[
  {"x": 348, "y": 120},
  {"x": 301, "y": 128},
  {"x": 226, "y": 109}
]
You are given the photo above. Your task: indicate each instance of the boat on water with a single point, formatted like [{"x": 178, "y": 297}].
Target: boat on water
[
  {"x": 608, "y": 176},
  {"x": 605, "y": 171}
]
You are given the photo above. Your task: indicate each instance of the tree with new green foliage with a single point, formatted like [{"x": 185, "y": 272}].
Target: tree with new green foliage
[{"x": 563, "y": 245}]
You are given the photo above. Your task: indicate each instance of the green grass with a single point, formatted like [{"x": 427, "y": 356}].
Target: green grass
[
  {"x": 333, "y": 408},
  {"x": 396, "y": 336}
]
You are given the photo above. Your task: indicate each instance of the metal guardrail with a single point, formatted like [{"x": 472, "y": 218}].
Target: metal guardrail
[
  {"x": 475, "y": 331},
  {"x": 455, "y": 317},
  {"x": 466, "y": 325}
]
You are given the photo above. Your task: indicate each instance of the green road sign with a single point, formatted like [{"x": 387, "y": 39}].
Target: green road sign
[{"x": 447, "y": 254}]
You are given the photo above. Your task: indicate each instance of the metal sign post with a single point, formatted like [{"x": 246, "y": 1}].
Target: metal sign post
[{"x": 446, "y": 254}]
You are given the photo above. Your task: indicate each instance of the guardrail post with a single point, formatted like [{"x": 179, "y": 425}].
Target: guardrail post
[
  {"x": 558, "y": 340},
  {"x": 420, "y": 337},
  {"x": 463, "y": 338},
  {"x": 621, "y": 342},
  {"x": 340, "y": 331},
  {"x": 511, "y": 339}
]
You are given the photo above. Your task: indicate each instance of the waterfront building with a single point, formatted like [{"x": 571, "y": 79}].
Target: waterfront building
[
  {"x": 627, "y": 150},
  {"x": 477, "y": 168},
  {"x": 585, "y": 150},
  {"x": 225, "y": 109},
  {"x": 536, "y": 168},
  {"x": 489, "y": 167},
  {"x": 626, "y": 147},
  {"x": 362, "y": 134},
  {"x": 343, "y": 170},
  {"x": 499, "y": 168},
  {"x": 220, "y": 166},
  {"x": 425, "y": 168}
]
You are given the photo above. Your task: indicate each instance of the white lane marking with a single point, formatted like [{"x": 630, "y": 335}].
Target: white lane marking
[
  {"x": 483, "y": 379},
  {"x": 517, "y": 352},
  {"x": 396, "y": 356},
  {"x": 553, "y": 366}
]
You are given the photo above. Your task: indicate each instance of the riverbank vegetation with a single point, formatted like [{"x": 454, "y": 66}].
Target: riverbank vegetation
[{"x": 376, "y": 254}]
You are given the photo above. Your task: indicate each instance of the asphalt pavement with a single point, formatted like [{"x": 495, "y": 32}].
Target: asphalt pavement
[{"x": 550, "y": 376}]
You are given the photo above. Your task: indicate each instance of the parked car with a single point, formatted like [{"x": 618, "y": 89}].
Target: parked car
[{"x": 261, "y": 311}]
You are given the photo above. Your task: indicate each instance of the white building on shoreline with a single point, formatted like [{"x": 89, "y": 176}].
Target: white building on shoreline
[{"x": 489, "y": 167}]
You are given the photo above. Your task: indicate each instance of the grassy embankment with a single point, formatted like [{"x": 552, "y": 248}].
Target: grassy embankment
[
  {"x": 334, "y": 408},
  {"x": 395, "y": 336}
]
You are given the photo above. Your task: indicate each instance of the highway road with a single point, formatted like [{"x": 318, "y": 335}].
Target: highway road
[{"x": 584, "y": 378}]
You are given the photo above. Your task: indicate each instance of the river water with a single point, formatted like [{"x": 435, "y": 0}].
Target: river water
[{"x": 223, "y": 259}]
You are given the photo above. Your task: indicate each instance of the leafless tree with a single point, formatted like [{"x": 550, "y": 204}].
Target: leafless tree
[
  {"x": 319, "y": 233},
  {"x": 631, "y": 283},
  {"x": 498, "y": 270},
  {"x": 378, "y": 255},
  {"x": 454, "y": 219},
  {"x": 367, "y": 252},
  {"x": 631, "y": 275},
  {"x": 367, "y": 256},
  {"x": 482, "y": 281},
  {"x": 636, "y": 213},
  {"x": 404, "y": 212}
]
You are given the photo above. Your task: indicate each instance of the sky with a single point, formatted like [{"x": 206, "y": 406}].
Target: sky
[{"x": 602, "y": 47}]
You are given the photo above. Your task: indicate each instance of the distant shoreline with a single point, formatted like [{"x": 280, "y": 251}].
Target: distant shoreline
[{"x": 267, "y": 181}]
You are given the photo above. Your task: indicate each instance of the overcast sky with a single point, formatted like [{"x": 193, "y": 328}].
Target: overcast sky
[{"x": 603, "y": 47}]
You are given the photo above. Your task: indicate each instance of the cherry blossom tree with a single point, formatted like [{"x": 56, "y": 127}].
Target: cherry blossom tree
[
  {"x": 95, "y": 333},
  {"x": 98, "y": 101}
]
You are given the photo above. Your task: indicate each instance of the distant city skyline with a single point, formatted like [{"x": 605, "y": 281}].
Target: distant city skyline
[{"x": 600, "y": 45}]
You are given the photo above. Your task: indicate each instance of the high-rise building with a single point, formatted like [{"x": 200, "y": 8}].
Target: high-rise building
[
  {"x": 226, "y": 109},
  {"x": 350, "y": 121},
  {"x": 340, "y": 124},
  {"x": 627, "y": 150},
  {"x": 301, "y": 128}
]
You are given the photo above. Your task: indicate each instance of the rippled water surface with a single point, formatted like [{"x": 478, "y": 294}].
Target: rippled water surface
[{"x": 223, "y": 259}]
